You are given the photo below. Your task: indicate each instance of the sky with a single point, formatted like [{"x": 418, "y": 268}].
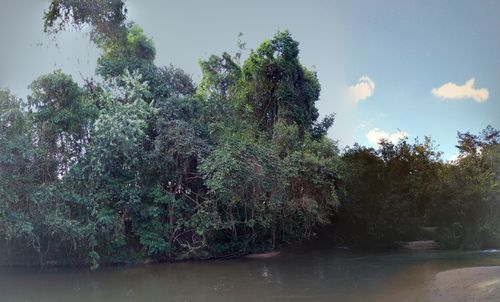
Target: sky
[{"x": 388, "y": 69}]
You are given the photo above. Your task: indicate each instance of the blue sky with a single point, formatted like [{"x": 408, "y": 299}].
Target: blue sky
[{"x": 396, "y": 51}]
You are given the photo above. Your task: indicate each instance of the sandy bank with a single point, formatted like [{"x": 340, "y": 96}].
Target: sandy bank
[
  {"x": 421, "y": 245},
  {"x": 263, "y": 255},
  {"x": 479, "y": 284}
]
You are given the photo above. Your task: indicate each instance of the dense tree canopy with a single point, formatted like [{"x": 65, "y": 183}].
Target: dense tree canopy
[
  {"x": 146, "y": 164},
  {"x": 404, "y": 192},
  {"x": 278, "y": 87},
  {"x": 142, "y": 163}
]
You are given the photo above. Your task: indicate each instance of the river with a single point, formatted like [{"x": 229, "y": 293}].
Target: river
[{"x": 306, "y": 273}]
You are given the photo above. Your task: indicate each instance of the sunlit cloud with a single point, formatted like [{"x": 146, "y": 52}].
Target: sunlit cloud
[
  {"x": 375, "y": 135},
  {"x": 363, "y": 89},
  {"x": 453, "y": 91},
  {"x": 454, "y": 158}
]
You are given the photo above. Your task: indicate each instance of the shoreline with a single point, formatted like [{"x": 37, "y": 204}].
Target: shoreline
[{"x": 466, "y": 284}]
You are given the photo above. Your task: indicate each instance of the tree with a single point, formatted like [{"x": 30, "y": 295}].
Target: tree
[
  {"x": 16, "y": 180},
  {"x": 220, "y": 76},
  {"x": 106, "y": 18},
  {"x": 278, "y": 87},
  {"x": 133, "y": 52},
  {"x": 388, "y": 193},
  {"x": 147, "y": 165},
  {"x": 61, "y": 117},
  {"x": 467, "y": 201},
  {"x": 34, "y": 212}
]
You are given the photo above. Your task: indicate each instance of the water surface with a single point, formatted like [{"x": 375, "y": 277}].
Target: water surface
[{"x": 307, "y": 273}]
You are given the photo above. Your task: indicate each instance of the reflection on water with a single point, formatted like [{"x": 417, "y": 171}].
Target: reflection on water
[{"x": 310, "y": 273}]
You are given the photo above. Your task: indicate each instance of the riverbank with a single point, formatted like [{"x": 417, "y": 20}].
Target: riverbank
[{"x": 475, "y": 284}]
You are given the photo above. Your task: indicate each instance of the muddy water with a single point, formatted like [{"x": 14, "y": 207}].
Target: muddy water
[{"x": 307, "y": 273}]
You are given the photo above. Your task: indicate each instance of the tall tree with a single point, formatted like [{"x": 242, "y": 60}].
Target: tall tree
[
  {"x": 278, "y": 86},
  {"x": 61, "y": 116}
]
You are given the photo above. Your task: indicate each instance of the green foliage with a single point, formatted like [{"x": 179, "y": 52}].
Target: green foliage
[
  {"x": 387, "y": 192},
  {"x": 277, "y": 86},
  {"x": 114, "y": 164},
  {"x": 34, "y": 210},
  {"x": 147, "y": 165},
  {"x": 106, "y": 18},
  {"x": 311, "y": 198},
  {"x": 391, "y": 194},
  {"x": 220, "y": 75},
  {"x": 15, "y": 176},
  {"x": 61, "y": 115},
  {"x": 468, "y": 196},
  {"x": 133, "y": 51}
]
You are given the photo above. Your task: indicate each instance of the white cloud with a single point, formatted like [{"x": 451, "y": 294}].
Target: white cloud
[
  {"x": 375, "y": 135},
  {"x": 466, "y": 91},
  {"x": 363, "y": 89},
  {"x": 454, "y": 158}
]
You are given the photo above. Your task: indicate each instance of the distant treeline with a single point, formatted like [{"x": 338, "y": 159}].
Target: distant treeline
[
  {"x": 405, "y": 192},
  {"x": 145, "y": 164}
]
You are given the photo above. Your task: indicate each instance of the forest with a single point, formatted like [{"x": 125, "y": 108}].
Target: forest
[{"x": 141, "y": 163}]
